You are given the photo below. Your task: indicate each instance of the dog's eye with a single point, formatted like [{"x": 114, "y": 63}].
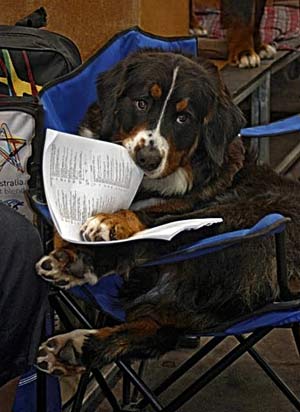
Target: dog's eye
[
  {"x": 141, "y": 105},
  {"x": 182, "y": 118}
]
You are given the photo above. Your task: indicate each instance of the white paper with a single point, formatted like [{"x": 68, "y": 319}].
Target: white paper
[{"x": 85, "y": 176}]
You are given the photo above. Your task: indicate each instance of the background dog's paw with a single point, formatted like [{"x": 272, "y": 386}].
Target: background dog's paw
[
  {"x": 267, "y": 51},
  {"x": 66, "y": 269},
  {"x": 246, "y": 59},
  {"x": 62, "y": 354}
]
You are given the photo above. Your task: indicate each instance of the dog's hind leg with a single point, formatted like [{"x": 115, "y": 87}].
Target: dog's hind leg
[{"x": 73, "y": 352}]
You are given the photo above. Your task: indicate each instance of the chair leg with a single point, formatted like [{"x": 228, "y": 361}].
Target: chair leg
[
  {"x": 215, "y": 370},
  {"x": 129, "y": 398},
  {"x": 296, "y": 334},
  {"x": 183, "y": 368},
  {"x": 41, "y": 378},
  {"x": 135, "y": 379},
  {"x": 78, "y": 400},
  {"x": 41, "y": 391},
  {"x": 71, "y": 305},
  {"x": 126, "y": 390},
  {"x": 281, "y": 385},
  {"x": 141, "y": 373},
  {"x": 106, "y": 390}
]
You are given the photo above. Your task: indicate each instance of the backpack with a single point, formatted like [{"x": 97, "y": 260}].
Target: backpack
[{"x": 29, "y": 58}]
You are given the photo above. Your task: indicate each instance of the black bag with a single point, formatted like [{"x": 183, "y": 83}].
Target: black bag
[
  {"x": 21, "y": 121},
  {"x": 31, "y": 57}
]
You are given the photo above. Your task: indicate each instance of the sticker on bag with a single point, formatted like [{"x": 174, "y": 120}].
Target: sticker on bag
[{"x": 17, "y": 130}]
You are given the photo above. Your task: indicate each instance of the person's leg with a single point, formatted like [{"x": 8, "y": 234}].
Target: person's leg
[
  {"x": 7, "y": 395},
  {"x": 23, "y": 299}
]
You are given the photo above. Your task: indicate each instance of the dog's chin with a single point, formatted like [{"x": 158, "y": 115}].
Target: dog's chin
[
  {"x": 153, "y": 174},
  {"x": 159, "y": 172}
]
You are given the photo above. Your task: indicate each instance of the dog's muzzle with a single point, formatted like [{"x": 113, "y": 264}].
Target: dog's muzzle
[{"x": 148, "y": 158}]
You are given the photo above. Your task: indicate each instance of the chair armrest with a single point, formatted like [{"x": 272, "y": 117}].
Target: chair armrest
[
  {"x": 41, "y": 209},
  {"x": 267, "y": 226},
  {"x": 289, "y": 125}
]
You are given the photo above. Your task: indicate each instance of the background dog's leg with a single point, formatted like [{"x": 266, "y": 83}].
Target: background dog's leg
[
  {"x": 242, "y": 21},
  {"x": 265, "y": 51},
  {"x": 238, "y": 18}
]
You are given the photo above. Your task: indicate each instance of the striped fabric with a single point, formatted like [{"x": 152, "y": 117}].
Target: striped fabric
[{"x": 278, "y": 24}]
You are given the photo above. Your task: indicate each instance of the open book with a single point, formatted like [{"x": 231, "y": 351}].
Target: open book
[{"x": 85, "y": 176}]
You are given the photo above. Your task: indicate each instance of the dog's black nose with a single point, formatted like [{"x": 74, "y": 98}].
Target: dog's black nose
[{"x": 148, "y": 158}]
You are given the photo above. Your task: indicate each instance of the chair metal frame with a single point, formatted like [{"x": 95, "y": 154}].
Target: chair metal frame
[{"x": 60, "y": 298}]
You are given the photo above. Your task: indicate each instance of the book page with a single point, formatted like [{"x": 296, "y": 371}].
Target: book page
[
  {"x": 84, "y": 176},
  {"x": 162, "y": 232}
]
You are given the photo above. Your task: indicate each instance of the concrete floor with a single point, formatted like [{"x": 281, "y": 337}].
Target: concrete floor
[{"x": 244, "y": 387}]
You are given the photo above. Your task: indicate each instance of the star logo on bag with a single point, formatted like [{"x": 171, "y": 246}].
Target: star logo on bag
[{"x": 9, "y": 148}]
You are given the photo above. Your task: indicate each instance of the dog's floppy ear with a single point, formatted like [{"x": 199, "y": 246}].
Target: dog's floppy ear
[
  {"x": 110, "y": 86},
  {"x": 223, "y": 120}
]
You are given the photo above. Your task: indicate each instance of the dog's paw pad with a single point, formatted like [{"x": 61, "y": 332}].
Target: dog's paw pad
[{"x": 61, "y": 355}]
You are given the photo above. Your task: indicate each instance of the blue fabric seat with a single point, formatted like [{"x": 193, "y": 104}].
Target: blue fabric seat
[
  {"x": 106, "y": 291},
  {"x": 288, "y": 125},
  {"x": 62, "y": 114}
]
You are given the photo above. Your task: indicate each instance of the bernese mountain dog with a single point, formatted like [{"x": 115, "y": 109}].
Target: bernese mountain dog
[
  {"x": 175, "y": 117},
  {"x": 241, "y": 20}
]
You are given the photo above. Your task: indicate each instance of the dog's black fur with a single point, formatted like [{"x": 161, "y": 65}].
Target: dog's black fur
[{"x": 177, "y": 120}]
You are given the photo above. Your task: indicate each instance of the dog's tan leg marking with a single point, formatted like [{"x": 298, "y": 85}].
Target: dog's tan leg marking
[{"x": 73, "y": 352}]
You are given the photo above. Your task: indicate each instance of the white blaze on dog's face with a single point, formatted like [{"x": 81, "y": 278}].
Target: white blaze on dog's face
[{"x": 148, "y": 147}]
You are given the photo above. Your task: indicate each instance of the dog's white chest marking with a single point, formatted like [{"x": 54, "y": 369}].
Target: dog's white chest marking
[
  {"x": 177, "y": 183},
  {"x": 142, "y": 204}
]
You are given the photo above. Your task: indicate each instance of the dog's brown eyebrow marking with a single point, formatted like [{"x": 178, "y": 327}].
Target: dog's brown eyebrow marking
[
  {"x": 208, "y": 117},
  {"x": 156, "y": 91},
  {"x": 182, "y": 105}
]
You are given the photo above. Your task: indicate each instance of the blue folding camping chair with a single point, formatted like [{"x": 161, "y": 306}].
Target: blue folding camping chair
[{"x": 61, "y": 114}]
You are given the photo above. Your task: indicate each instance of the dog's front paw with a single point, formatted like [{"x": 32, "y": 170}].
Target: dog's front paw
[
  {"x": 62, "y": 354},
  {"x": 114, "y": 226},
  {"x": 66, "y": 268}
]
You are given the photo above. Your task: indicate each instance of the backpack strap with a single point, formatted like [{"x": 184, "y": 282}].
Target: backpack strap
[
  {"x": 34, "y": 90},
  {"x": 5, "y": 67}
]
